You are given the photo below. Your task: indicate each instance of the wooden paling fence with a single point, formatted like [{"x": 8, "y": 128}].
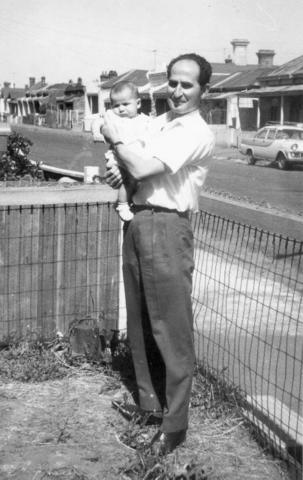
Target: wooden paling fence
[{"x": 58, "y": 263}]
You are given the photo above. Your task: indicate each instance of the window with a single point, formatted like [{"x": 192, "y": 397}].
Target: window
[
  {"x": 262, "y": 133},
  {"x": 283, "y": 135},
  {"x": 271, "y": 134}
]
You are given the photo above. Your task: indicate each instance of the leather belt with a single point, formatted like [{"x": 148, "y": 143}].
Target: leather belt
[{"x": 157, "y": 209}]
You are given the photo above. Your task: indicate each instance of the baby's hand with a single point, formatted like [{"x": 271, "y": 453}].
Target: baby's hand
[
  {"x": 113, "y": 176},
  {"x": 111, "y": 159}
]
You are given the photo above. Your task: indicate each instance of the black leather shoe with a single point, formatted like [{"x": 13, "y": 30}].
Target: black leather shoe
[
  {"x": 164, "y": 443},
  {"x": 136, "y": 414}
]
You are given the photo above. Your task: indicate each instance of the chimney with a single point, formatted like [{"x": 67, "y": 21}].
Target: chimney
[
  {"x": 239, "y": 51},
  {"x": 32, "y": 81},
  {"x": 112, "y": 74},
  {"x": 43, "y": 81},
  {"x": 104, "y": 76},
  {"x": 266, "y": 58}
]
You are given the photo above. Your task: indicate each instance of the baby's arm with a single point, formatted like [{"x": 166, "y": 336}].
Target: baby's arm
[{"x": 96, "y": 127}]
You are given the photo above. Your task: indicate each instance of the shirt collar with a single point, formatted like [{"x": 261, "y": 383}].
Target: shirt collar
[{"x": 182, "y": 119}]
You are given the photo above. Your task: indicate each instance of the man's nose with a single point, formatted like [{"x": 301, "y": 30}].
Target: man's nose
[{"x": 178, "y": 91}]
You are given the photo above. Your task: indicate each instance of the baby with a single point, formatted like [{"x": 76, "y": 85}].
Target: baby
[{"x": 125, "y": 104}]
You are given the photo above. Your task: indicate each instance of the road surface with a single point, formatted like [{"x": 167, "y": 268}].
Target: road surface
[{"x": 229, "y": 173}]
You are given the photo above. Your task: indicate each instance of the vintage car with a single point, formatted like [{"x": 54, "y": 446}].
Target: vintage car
[{"x": 282, "y": 144}]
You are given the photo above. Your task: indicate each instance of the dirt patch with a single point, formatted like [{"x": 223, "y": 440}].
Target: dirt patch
[
  {"x": 65, "y": 424},
  {"x": 66, "y": 429}
]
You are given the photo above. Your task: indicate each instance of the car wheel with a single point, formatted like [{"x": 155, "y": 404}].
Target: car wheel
[
  {"x": 250, "y": 158},
  {"x": 281, "y": 162}
]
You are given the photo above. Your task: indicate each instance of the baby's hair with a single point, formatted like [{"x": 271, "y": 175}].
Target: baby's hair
[{"x": 124, "y": 85}]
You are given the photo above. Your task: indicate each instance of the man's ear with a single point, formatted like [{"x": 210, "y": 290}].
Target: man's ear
[
  {"x": 139, "y": 103},
  {"x": 205, "y": 90}
]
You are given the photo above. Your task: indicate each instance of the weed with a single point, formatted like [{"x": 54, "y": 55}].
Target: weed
[
  {"x": 30, "y": 359},
  {"x": 213, "y": 394},
  {"x": 149, "y": 466}
]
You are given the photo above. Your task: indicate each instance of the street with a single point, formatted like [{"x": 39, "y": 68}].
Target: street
[{"x": 229, "y": 174}]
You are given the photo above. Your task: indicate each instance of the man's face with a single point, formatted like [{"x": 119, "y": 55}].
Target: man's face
[
  {"x": 184, "y": 90},
  {"x": 124, "y": 104}
]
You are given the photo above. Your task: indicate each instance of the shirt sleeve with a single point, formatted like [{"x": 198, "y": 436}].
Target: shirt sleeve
[{"x": 179, "y": 147}]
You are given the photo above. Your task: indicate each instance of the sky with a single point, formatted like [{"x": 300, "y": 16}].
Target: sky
[{"x": 67, "y": 39}]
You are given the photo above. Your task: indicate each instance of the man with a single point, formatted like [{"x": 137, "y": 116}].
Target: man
[{"x": 158, "y": 247}]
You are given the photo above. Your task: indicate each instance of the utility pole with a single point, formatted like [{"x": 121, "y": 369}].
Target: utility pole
[{"x": 155, "y": 59}]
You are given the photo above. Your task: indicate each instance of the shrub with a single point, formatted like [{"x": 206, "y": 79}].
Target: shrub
[{"x": 15, "y": 164}]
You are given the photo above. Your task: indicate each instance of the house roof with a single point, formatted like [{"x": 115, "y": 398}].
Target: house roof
[
  {"x": 138, "y": 77},
  {"x": 38, "y": 87},
  {"x": 241, "y": 80},
  {"x": 74, "y": 87},
  {"x": 156, "y": 79},
  {"x": 57, "y": 86},
  {"x": 292, "y": 68},
  {"x": 9, "y": 92},
  {"x": 221, "y": 68}
]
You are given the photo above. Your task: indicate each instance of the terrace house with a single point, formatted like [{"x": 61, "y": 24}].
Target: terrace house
[
  {"x": 32, "y": 104},
  {"x": 9, "y": 97},
  {"x": 281, "y": 93},
  {"x": 71, "y": 106}
]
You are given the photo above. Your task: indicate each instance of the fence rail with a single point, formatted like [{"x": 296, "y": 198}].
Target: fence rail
[{"x": 59, "y": 263}]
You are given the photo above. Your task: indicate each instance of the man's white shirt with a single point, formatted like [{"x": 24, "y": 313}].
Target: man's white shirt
[{"x": 185, "y": 145}]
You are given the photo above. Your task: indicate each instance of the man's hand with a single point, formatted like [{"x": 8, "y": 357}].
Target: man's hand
[{"x": 113, "y": 176}]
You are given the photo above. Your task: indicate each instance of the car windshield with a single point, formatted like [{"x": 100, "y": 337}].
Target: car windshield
[{"x": 289, "y": 133}]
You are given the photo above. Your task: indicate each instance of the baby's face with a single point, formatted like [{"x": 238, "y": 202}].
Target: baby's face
[{"x": 124, "y": 104}]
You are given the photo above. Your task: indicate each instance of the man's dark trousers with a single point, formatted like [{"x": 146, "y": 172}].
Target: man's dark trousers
[{"x": 157, "y": 268}]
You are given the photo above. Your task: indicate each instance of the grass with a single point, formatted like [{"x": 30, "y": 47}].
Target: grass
[{"x": 214, "y": 406}]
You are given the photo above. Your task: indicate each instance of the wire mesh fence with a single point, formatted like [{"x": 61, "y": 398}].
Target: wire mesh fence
[
  {"x": 58, "y": 263},
  {"x": 247, "y": 300}
]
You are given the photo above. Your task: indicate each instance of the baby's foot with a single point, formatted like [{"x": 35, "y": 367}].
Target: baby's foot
[{"x": 124, "y": 212}]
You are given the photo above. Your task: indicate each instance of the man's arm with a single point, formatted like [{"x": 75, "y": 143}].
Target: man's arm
[{"x": 139, "y": 166}]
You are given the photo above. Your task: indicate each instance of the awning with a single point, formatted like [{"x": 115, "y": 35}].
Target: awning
[
  {"x": 218, "y": 96},
  {"x": 270, "y": 91},
  {"x": 66, "y": 98},
  {"x": 43, "y": 100}
]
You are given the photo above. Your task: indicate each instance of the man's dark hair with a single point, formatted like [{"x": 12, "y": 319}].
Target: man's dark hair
[
  {"x": 122, "y": 85},
  {"x": 204, "y": 65}
]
